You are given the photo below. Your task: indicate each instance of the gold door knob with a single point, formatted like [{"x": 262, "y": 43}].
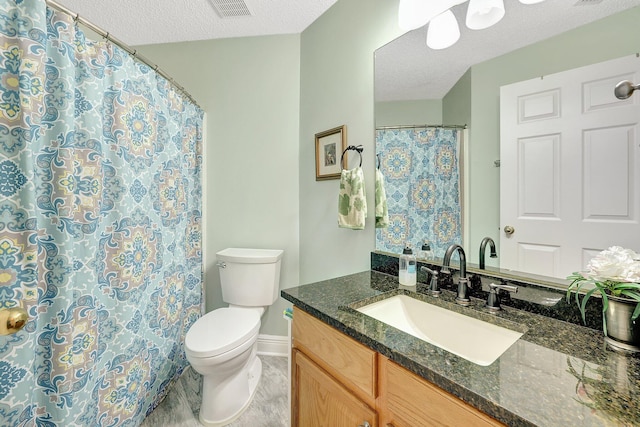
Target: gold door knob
[
  {"x": 508, "y": 230},
  {"x": 12, "y": 320}
]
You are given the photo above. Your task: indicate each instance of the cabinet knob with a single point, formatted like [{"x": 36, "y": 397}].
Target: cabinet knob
[
  {"x": 509, "y": 230},
  {"x": 365, "y": 424}
]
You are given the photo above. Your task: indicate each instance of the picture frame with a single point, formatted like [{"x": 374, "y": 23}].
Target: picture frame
[{"x": 330, "y": 145}]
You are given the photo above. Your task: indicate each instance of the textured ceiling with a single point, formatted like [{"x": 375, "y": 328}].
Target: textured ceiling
[
  {"x": 429, "y": 74},
  {"x": 140, "y": 22}
]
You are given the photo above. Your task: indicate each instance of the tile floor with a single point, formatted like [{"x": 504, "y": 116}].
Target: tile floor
[{"x": 270, "y": 406}]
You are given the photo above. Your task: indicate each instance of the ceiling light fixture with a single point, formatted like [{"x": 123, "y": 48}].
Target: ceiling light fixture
[{"x": 443, "y": 27}]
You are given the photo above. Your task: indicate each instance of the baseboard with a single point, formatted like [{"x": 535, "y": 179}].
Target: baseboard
[{"x": 273, "y": 345}]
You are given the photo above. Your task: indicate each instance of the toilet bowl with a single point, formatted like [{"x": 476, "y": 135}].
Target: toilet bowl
[{"x": 222, "y": 347}]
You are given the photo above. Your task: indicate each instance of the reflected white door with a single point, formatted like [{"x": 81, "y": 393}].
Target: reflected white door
[{"x": 570, "y": 168}]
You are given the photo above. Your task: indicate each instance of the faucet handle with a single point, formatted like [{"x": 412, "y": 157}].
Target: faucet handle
[
  {"x": 493, "y": 300},
  {"x": 434, "y": 288}
]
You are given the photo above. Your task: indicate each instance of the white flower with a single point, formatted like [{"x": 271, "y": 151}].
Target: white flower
[{"x": 615, "y": 264}]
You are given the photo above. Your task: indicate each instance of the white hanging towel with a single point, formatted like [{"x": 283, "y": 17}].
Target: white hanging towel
[
  {"x": 352, "y": 202},
  {"x": 382, "y": 214}
]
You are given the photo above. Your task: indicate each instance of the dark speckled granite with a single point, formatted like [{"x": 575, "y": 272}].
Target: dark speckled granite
[{"x": 557, "y": 374}]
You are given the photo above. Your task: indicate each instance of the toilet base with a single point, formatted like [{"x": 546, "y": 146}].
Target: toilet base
[{"x": 254, "y": 372}]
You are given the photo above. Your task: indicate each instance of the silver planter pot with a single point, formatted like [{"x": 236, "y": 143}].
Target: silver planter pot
[{"x": 622, "y": 332}]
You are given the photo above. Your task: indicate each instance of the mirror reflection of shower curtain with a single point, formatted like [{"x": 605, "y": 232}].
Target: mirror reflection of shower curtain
[
  {"x": 421, "y": 167},
  {"x": 100, "y": 225}
]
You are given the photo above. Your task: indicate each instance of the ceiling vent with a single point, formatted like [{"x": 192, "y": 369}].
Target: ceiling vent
[
  {"x": 587, "y": 2},
  {"x": 230, "y": 8}
]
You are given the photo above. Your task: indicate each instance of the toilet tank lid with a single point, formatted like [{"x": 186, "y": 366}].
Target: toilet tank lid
[{"x": 250, "y": 256}]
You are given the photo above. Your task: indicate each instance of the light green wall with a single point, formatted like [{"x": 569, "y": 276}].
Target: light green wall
[
  {"x": 250, "y": 90},
  {"x": 608, "y": 38},
  {"x": 266, "y": 98},
  {"x": 420, "y": 112},
  {"x": 456, "y": 105},
  {"x": 336, "y": 78}
]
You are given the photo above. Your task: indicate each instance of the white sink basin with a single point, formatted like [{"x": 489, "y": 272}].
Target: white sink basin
[{"x": 475, "y": 340}]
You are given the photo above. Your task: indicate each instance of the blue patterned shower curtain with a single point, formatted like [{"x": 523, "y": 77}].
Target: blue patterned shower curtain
[
  {"x": 100, "y": 225},
  {"x": 422, "y": 176}
]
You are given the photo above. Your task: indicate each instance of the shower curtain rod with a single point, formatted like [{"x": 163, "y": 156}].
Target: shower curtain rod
[
  {"x": 133, "y": 52},
  {"x": 422, "y": 127}
]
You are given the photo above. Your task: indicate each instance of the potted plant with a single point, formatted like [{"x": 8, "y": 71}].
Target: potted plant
[{"x": 614, "y": 274}]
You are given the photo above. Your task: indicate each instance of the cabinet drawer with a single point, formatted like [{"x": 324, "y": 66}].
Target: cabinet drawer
[
  {"x": 413, "y": 401},
  {"x": 350, "y": 362}
]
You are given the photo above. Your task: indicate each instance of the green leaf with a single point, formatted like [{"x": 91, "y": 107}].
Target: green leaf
[
  {"x": 583, "y": 306},
  {"x": 635, "y": 286},
  {"x": 631, "y": 294}
]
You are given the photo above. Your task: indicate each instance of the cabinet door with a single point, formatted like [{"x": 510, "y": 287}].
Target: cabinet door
[
  {"x": 320, "y": 401},
  {"x": 410, "y": 401}
]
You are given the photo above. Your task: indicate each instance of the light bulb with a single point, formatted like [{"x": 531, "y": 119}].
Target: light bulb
[
  {"x": 443, "y": 31},
  {"x": 482, "y": 14}
]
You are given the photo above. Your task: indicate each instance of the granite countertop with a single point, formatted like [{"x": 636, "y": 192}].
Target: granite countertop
[{"x": 556, "y": 374}]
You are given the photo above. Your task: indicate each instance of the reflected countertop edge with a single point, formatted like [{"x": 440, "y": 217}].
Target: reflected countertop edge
[{"x": 556, "y": 374}]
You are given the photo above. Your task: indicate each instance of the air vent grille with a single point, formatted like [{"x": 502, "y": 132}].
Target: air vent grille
[
  {"x": 230, "y": 8},
  {"x": 587, "y": 2}
]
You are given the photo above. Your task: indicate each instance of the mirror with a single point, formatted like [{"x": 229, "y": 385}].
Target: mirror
[{"x": 433, "y": 87}]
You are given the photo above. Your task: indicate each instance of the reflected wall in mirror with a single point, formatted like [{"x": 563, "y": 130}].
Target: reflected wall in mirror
[{"x": 473, "y": 98}]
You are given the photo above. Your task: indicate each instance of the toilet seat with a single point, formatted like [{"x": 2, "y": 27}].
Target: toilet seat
[{"x": 220, "y": 331}]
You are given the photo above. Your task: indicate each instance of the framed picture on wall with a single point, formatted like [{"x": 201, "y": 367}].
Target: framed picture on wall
[{"x": 329, "y": 147}]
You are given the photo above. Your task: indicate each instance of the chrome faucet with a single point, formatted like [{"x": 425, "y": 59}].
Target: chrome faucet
[
  {"x": 483, "y": 248},
  {"x": 463, "y": 282},
  {"x": 434, "y": 289}
]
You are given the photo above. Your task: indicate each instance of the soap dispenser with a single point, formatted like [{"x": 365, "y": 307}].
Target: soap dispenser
[
  {"x": 426, "y": 252},
  {"x": 407, "y": 273}
]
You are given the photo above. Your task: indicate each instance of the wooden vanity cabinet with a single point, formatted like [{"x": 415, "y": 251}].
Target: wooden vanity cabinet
[
  {"x": 337, "y": 381},
  {"x": 406, "y": 400}
]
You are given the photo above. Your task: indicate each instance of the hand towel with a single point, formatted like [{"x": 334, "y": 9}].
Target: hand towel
[
  {"x": 352, "y": 202},
  {"x": 382, "y": 215}
]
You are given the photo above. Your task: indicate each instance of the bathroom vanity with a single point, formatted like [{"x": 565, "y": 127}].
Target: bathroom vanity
[
  {"x": 349, "y": 369},
  {"x": 337, "y": 381}
]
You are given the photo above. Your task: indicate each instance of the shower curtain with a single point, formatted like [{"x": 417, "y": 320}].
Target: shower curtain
[
  {"x": 422, "y": 176},
  {"x": 100, "y": 225}
]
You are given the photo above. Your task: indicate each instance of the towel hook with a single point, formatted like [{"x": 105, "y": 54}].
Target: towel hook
[{"x": 359, "y": 149}]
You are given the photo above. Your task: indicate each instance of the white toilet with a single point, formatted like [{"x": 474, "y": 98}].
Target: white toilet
[{"x": 222, "y": 344}]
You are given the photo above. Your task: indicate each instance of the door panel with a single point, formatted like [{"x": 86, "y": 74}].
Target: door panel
[{"x": 570, "y": 168}]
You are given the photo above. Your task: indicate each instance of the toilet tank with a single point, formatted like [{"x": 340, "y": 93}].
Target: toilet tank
[{"x": 249, "y": 277}]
